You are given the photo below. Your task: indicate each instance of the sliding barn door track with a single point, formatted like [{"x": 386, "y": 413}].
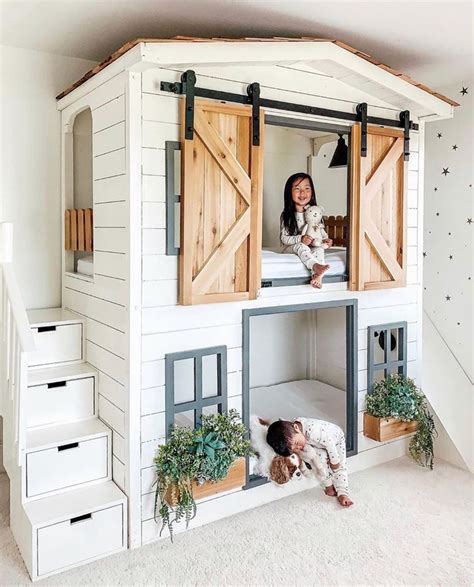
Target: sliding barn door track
[{"x": 188, "y": 88}]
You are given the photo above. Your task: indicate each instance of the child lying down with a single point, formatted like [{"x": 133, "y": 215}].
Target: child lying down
[{"x": 302, "y": 436}]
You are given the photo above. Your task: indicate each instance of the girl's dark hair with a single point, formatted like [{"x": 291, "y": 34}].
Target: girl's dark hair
[
  {"x": 279, "y": 435},
  {"x": 287, "y": 218}
]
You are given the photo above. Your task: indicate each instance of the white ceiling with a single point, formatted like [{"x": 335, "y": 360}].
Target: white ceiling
[{"x": 429, "y": 40}]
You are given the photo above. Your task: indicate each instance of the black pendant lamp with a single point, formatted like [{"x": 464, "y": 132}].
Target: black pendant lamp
[{"x": 339, "y": 159}]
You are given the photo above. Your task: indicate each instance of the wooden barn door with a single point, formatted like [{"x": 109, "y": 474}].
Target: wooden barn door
[
  {"x": 377, "y": 216},
  {"x": 221, "y": 223}
]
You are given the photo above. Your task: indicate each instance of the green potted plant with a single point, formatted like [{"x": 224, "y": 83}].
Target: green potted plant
[
  {"x": 197, "y": 463},
  {"x": 396, "y": 407}
]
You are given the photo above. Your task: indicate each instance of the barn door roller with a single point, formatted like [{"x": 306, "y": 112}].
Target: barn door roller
[{"x": 187, "y": 87}]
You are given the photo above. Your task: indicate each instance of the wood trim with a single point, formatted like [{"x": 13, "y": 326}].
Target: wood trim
[
  {"x": 223, "y": 107},
  {"x": 256, "y": 224},
  {"x": 186, "y": 226},
  {"x": 78, "y": 229},
  {"x": 336, "y": 227},
  {"x": 67, "y": 230},
  {"x": 385, "y": 131},
  {"x": 227, "y": 247},
  {"x": 217, "y": 298},
  {"x": 222, "y": 155},
  {"x": 355, "y": 216},
  {"x": 386, "y": 165},
  {"x": 384, "y": 253}
]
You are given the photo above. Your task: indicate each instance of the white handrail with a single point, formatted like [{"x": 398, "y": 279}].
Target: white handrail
[{"x": 16, "y": 342}]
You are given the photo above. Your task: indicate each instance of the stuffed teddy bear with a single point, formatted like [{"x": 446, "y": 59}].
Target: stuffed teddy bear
[{"x": 314, "y": 227}]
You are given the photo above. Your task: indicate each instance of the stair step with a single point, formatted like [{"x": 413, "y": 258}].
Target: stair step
[
  {"x": 41, "y": 376},
  {"x": 65, "y": 457},
  {"x": 43, "y": 438},
  {"x": 58, "y": 336},
  {"x": 52, "y": 317},
  {"x": 73, "y": 528},
  {"x": 76, "y": 502}
]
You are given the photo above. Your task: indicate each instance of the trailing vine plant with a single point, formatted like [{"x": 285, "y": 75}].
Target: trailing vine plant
[
  {"x": 398, "y": 397},
  {"x": 189, "y": 456}
]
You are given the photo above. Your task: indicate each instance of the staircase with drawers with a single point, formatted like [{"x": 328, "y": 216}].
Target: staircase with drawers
[{"x": 65, "y": 510}]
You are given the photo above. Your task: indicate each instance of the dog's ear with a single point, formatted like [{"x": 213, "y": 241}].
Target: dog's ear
[
  {"x": 264, "y": 422},
  {"x": 279, "y": 470}
]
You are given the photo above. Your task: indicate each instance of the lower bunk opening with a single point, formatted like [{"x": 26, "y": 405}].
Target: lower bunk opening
[{"x": 301, "y": 361}]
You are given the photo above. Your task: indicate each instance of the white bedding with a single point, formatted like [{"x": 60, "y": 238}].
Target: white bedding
[
  {"x": 277, "y": 265},
  {"x": 85, "y": 265},
  {"x": 305, "y": 398}
]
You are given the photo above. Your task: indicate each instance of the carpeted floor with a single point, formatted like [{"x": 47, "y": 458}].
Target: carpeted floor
[{"x": 408, "y": 526}]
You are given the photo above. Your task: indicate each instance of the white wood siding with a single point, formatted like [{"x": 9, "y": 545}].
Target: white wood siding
[
  {"x": 167, "y": 327},
  {"x": 106, "y": 300}
]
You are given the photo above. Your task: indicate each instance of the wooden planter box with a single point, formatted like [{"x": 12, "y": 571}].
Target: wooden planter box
[
  {"x": 235, "y": 478},
  {"x": 382, "y": 429}
]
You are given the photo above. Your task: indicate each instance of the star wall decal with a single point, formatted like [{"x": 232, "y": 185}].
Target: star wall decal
[
  {"x": 469, "y": 220},
  {"x": 437, "y": 213},
  {"x": 450, "y": 257},
  {"x": 455, "y": 147},
  {"x": 424, "y": 253},
  {"x": 448, "y": 298},
  {"x": 445, "y": 171},
  {"x": 439, "y": 135},
  {"x": 464, "y": 91},
  {"x": 436, "y": 189}
]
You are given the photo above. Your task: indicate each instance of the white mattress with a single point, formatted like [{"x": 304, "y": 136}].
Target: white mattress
[
  {"x": 277, "y": 265},
  {"x": 306, "y": 398},
  {"x": 85, "y": 265}
]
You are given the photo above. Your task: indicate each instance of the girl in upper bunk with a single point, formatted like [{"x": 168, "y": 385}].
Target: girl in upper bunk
[{"x": 299, "y": 194}]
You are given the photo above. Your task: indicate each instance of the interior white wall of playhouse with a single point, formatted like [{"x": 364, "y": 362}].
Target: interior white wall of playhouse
[
  {"x": 82, "y": 159},
  {"x": 309, "y": 344},
  {"x": 133, "y": 319},
  {"x": 330, "y": 183}
]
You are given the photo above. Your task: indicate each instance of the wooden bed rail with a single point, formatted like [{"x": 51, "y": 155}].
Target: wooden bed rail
[
  {"x": 78, "y": 231},
  {"x": 336, "y": 227}
]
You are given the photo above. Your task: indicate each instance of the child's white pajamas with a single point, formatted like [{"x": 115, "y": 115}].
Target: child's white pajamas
[
  {"x": 330, "y": 437},
  {"x": 308, "y": 255}
]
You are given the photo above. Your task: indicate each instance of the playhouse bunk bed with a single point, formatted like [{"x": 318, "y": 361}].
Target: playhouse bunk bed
[{"x": 178, "y": 194}]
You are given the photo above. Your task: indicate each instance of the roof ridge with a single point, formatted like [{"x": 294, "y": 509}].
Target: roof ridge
[{"x": 187, "y": 39}]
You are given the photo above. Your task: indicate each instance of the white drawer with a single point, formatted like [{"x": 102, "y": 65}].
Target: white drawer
[
  {"x": 60, "y": 401},
  {"x": 80, "y": 539},
  {"x": 66, "y": 466},
  {"x": 56, "y": 344}
]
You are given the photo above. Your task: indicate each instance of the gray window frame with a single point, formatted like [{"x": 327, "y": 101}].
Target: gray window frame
[
  {"x": 199, "y": 402},
  {"x": 172, "y": 198},
  {"x": 387, "y": 365},
  {"x": 351, "y": 351}
]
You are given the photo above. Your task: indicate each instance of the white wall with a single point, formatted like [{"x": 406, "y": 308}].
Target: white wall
[
  {"x": 447, "y": 288},
  {"x": 448, "y": 206},
  {"x": 30, "y": 165},
  {"x": 330, "y": 184},
  {"x": 279, "y": 348}
]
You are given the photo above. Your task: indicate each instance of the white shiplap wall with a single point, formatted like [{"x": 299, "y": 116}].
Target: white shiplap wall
[
  {"x": 167, "y": 327},
  {"x": 106, "y": 300}
]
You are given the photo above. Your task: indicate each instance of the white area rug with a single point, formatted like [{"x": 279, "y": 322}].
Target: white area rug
[{"x": 408, "y": 526}]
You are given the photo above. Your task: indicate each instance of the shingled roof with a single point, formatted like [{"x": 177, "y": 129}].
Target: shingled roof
[{"x": 183, "y": 39}]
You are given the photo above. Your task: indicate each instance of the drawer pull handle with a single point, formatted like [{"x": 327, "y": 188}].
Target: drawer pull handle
[
  {"x": 54, "y": 384},
  {"x": 82, "y": 518},
  {"x": 68, "y": 446},
  {"x": 46, "y": 329}
]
